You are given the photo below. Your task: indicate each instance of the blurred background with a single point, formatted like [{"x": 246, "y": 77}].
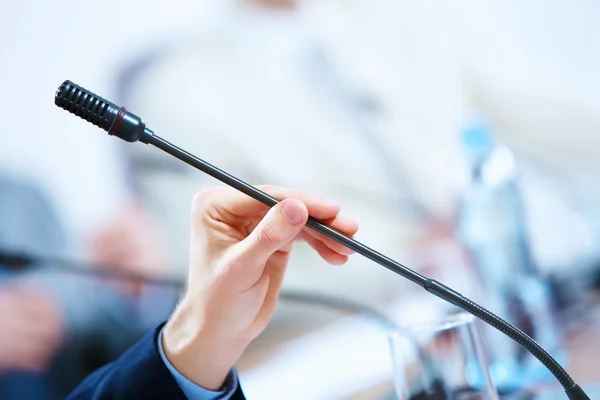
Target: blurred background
[{"x": 463, "y": 136}]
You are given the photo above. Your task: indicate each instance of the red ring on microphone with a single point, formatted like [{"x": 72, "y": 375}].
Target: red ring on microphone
[{"x": 117, "y": 122}]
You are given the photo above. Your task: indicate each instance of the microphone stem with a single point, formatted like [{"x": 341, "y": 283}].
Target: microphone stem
[{"x": 440, "y": 290}]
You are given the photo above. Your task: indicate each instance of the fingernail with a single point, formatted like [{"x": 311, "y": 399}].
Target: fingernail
[
  {"x": 332, "y": 203},
  {"x": 292, "y": 212}
]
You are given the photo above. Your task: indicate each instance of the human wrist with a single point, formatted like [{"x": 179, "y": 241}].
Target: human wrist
[{"x": 197, "y": 350}]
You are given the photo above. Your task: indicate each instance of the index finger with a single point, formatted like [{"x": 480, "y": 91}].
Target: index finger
[{"x": 229, "y": 201}]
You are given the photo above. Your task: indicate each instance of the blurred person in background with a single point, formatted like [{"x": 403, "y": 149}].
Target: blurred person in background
[{"x": 58, "y": 326}]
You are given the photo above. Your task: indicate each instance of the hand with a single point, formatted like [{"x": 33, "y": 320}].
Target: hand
[
  {"x": 31, "y": 330},
  {"x": 239, "y": 250},
  {"x": 133, "y": 243}
]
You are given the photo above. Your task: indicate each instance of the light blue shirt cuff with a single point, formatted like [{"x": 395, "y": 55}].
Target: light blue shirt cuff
[{"x": 195, "y": 392}]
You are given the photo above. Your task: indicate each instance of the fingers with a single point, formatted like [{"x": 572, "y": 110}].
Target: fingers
[
  {"x": 325, "y": 252},
  {"x": 247, "y": 259},
  {"x": 318, "y": 207},
  {"x": 228, "y": 205},
  {"x": 345, "y": 225},
  {"x": 225, "y": 202},
  {"x": 274, "y": 232},
  {"x": 275, "y": 270}
]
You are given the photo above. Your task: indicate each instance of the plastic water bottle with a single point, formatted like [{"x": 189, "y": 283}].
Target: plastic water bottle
[{"x": 492, "y": 226}]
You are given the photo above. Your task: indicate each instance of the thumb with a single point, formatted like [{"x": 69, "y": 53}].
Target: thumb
[{"x": 279, "y": 227}]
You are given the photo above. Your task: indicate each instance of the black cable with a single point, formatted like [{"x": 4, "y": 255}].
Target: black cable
[{"x": 120, "y": 122}]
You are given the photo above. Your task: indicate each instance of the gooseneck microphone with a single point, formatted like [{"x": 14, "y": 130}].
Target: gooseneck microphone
[{"x": 117, "y": 121}]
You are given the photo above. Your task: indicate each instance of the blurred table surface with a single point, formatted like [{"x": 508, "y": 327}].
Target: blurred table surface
[{"x": 583, "y": 345}]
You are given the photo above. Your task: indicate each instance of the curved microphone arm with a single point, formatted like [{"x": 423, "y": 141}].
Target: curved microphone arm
[{"x": 120, "y": 122}]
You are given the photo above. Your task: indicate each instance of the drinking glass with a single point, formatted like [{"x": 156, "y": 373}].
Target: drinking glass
[{"x": 442, "y": 360}]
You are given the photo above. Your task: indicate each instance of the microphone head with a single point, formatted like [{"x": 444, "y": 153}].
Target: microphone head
[
  {"x": 115, "y": 120},
  {"x": 87, "y": 105}
]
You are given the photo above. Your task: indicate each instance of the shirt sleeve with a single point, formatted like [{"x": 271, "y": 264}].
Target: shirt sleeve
[{"x": 195, "y": 392}]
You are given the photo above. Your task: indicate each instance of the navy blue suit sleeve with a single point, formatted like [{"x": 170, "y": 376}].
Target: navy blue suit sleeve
[{"x": 139, "y": 373}]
